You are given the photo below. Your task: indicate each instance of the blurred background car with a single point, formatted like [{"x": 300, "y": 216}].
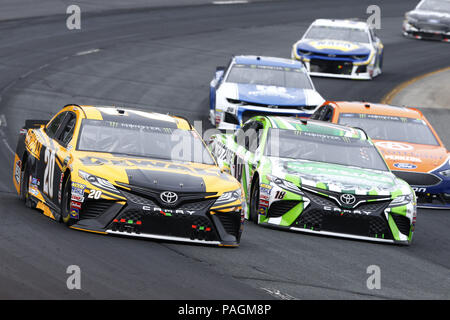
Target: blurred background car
[
  {"x": 411, "y": 147},
  {"x": 429, "y": 20},
  {"x": 254, "y": 85},
  {"x": 340, "y": 49}
]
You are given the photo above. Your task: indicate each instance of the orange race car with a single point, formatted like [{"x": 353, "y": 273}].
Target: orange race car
[{"x": 409, "y": 144}]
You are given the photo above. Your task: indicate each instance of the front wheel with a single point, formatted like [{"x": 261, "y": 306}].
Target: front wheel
[
  {"x": 254, "y": 201},
  {"x": 65, "y": 203}
]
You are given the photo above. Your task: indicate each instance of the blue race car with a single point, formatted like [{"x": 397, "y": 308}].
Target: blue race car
[
  {"x": 254, "y": 85},
  {"x": 340, "y": 49}
]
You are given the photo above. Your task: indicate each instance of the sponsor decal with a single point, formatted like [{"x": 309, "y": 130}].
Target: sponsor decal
[
  {"x": 343, "y": 211},
  {"x": 33, "y": 190},
  {"x": 76, "y": 197},
  {"x": 147, "y": 163},
  {"x": 333, "y": 44},
  {"x": 336, "y": 175},
  {"x": 33, "y": 145},
  {"x": 78, "y": 189},
  {"x": 263, "y": 203},
  {"x": 78, "y": 185},
  {"x": 75, "y": 204},
  {"x": 348, "y": 199},
  {"x": 35, "y": 182},
  {"x": 401, "y": 165},
  {"x": 402, "y": 158},
  {"x": 168, "y": 197},
  {"x": 271, "y": 91},
  {"x": 168, "y": 212},
  {"x": 264, "y": 197},
  {"x": 262, "y": 211},
  {"x": 264, "y": 190},
  {"x": 17, "y": 171},
  {"x": 60, "y": 187},
  {"x": 74, "y": 213}
]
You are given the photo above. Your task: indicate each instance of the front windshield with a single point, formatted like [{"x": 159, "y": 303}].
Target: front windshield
[
  {"x": 435, "y": 5},
  {"x": 324, "y": 148},
  {"x": 143, "y": 141},
  {"x": 337, "y": 33},
  {"x": 269, "y": 76},
  {"x": 391, "y": 128}
]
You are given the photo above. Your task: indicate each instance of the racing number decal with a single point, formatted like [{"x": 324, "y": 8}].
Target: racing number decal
[
  {"x": 95, "y": 194},
  {"x": 49, "y": 159},
  {"x": 279, "y": 195}
]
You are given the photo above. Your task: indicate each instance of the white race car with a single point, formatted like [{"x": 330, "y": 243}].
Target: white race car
[
  {"x": 340, "y": 49},
  {"x": 254, "y": 85}
]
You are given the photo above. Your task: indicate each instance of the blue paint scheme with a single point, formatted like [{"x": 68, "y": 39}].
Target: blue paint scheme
[
  {"x": 442, "y": 187},
  {"x": 402, "y": 165},
  {"x": 359, "y": 51},
  {"x": 280, "y": 96},
  {"x": 212, "y": 98}
]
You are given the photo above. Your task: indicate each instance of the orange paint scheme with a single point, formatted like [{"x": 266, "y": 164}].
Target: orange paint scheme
[{"x": 425, "y": 157}]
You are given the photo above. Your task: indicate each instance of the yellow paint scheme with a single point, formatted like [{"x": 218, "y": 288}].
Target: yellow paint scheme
[
  {"x": 45, "y": 209},
  {"x": 333, "y": 44},
  {"x": 92, "y": 231},
  {"x": 17, "y": 162},
  {"x": 368, "y": 61},
  {"x": 113, "y": 168},
  {"x": 33, "y": 143}
]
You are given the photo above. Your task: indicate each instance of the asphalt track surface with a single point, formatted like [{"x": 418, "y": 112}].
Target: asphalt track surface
[{"x": 162, "y": 59}]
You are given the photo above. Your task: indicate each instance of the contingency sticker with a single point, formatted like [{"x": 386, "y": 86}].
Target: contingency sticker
[{"x": 78, "y": 191}]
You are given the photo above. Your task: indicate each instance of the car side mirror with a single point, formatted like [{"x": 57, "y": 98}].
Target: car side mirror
[{"x": 220, "y": 72}]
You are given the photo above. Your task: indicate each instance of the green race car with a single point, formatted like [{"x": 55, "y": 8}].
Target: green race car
[{"x": 317, "y": 177}]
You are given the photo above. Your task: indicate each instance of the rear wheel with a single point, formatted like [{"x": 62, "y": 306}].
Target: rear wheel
[
  {"x": 254, "y": 201},
  {"x": 65, "y": 203}
]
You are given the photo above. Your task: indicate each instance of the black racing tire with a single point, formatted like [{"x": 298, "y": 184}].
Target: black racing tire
[
  {"x": 254, "y": 201},
  {"x": 24, "y": 184},
  {"x": 65, "y": 203}
]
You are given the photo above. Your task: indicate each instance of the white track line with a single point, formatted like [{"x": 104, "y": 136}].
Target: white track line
[{"x": 230, "y": 2}]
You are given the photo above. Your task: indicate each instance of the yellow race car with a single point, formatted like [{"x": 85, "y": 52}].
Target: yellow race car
[{"x": 127, "y": 172}]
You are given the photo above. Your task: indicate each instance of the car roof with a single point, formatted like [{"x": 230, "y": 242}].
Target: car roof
[
  {"x": 268, "y": 61},
  {"x": 314, "y": 126},
  {"x": 348, "y": 23},
  {"x": 376, "y": 108},
  {"x": 134, "y": 116}
]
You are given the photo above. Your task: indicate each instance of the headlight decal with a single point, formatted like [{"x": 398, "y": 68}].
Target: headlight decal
[
  {"x": 229, "y": 197},
  {"x": 402, "y": 200},
  {"x": 97, "y": 181},
  {"x": 445, "y": 173}
]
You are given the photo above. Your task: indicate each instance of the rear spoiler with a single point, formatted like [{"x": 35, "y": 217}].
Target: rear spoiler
[{"x": 32, "y": 124}]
